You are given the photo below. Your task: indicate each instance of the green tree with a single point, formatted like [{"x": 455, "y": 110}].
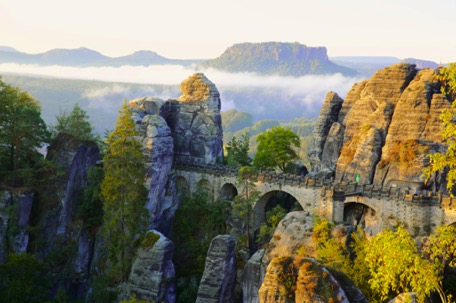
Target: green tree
[
  {"x": 446, "y": 160},
  {"x": 76, "y": 123},
  {"x": 442, "y": 253},
  {"x": 267, "y": 228},
  {"x": 237, "y": 152},
  {"x": 396, "y": 266},
  {"x": 23, "y": 279},
  {"x": 125, "y": 216},
  {"x": 196, "y": 222},
  {"x": 90, "y": 206},
  {"x": 22, "y": 130},
  {"x": 244, "y": 201},
  {"x": 276, "y": 148}
]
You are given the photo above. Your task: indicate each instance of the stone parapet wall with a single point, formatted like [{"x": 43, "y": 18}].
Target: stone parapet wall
[{"x": 421, "y": 212}]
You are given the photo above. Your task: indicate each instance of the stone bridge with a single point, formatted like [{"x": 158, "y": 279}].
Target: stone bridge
[{"x": 339, "y": 202}]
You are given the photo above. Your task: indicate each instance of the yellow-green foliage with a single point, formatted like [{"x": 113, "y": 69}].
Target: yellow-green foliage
[
  {"x": 125, "y": 196},
  {"x": 149, "y": 240},
  {"x": 134, "y": 300},
  {"x": 388, "y": 263},
  {"x": 286, "y": 277},
  {"x": 447, "y": 160},
  {"x": 405, "y": 152}
]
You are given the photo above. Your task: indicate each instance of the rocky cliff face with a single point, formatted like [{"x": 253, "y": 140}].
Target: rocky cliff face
[
  {"x": 384, "y": 129},
  {"x": 294, "y": 279},
  {"x": 329, "y": 114},
  {"x": 65, "y": 237},
  {"x": 152, "y": 275},
  {"x": 15, "y": 210},
  {"x": 195, "y": 121},
  {"x": 219, "y": 277},
  {"x": 189, "y": 127}
]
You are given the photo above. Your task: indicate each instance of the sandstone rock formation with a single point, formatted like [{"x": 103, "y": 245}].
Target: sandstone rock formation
[
  {"x": 65, "y": 236},
  {"x": 219, "y": 277},
  {"x": 157, "y": 142},
  {"x": 294, "y": 279},
  {"x": 195, "y": 121},
  {"x": 384, "y": 129},
  {"x": 152, "y": 276},
  {"x": 329, "y": 114},
  {"x": 252, "y": 278},
  {"x": 15, "y": 210},
  {"x": 293, "y": 232},
  {"x": 188, "y": 128},
  {"x": 405, "y": 298}
]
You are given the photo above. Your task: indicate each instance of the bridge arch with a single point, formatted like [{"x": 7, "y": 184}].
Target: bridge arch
[
  {"x": 205, "y": 185},
  {"x": 228, "y": 192},
  {"x": 271, "y": 199},
  {"x": 364, "y": 215},
  {"x": 182, "y": 186}
]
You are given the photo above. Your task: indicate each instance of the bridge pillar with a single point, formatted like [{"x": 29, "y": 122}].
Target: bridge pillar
[
  {"x": 332, "y": 207},
  {"x": 338, "y": 206}
]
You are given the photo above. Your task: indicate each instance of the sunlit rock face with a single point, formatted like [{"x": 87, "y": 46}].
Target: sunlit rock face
[
  {"x": 195, "y": 121},
  {"x": 295, "y": 279},
  {"x": 384, "y": 129}
]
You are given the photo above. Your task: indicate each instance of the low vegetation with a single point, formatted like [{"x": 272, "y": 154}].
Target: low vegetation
[{"x": 389, "y": 263}]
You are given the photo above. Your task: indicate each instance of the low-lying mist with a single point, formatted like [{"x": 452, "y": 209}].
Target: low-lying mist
[{"x": 263, "y": 96}]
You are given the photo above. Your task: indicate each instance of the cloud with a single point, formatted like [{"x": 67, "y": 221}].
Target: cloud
[{"x": 265, "y": 97}]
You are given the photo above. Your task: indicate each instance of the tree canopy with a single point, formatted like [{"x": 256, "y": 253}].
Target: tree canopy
[
  {"x": 237, "y": 152},
  {"x": 22, "y": 130},
  {"x": 276, "y": 148},
  {"x": 75, "y": 123},
  {"x": 439, "y": 162},
  {"x": 124, "y": 193}
]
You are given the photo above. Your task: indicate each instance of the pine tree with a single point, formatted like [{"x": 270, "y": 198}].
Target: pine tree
[
  {"x": 76, "y": 123},
  {"x": 237, "y": 152},
  {"x": 124, "y": 193}
]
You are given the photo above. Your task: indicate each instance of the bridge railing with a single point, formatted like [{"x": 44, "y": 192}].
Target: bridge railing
[{"x": 347, "y": 188}]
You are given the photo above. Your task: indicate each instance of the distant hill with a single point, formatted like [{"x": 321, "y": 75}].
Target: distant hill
[
  {"x": 236, "y": 124},
  {"x": 83, "y": 57},
  {"x": 368, "y": 65},
  {"x": 421, "y": 63},
  {"x": 285, "y": 59},
  {"x": 7, "y": 49}
]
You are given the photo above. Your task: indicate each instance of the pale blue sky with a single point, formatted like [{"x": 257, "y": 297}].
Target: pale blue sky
[{"x": 205, "y": 28}]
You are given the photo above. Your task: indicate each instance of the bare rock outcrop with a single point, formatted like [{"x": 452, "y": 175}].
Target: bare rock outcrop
[
  {"x": 157, "y": 141},
  {"x": 219, "y": 278},
  {"x": 15, "y": 209},
  {"x": 329, "y": 114},
  {"x": 152, "y": 276},
  {"x": 384, "y": 129},
  {"x": 61, "y": 230},
  {"x": 252, "y": 278},
  {"x": 195, "y": 121},
  {"x": 296, "y": 279},
  {"x": 186, "y": 128}
]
